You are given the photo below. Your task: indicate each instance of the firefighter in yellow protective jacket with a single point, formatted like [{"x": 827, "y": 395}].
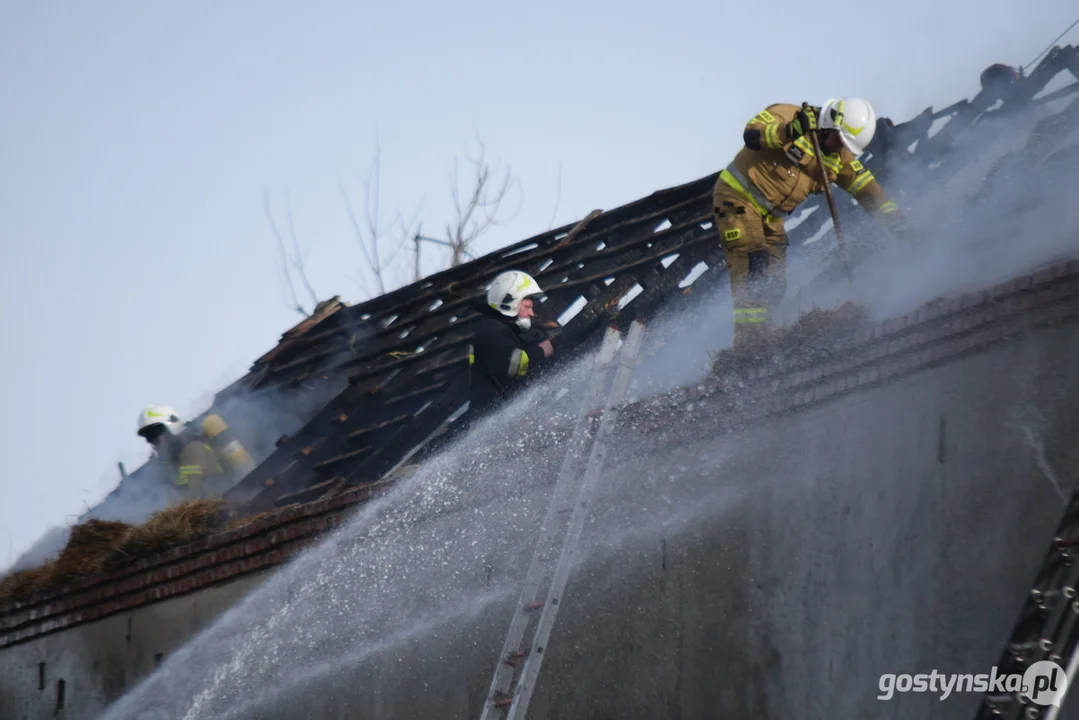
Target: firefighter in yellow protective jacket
[
  {"x": 775, "y": 171},
  {"x": 205, "y": 464}
]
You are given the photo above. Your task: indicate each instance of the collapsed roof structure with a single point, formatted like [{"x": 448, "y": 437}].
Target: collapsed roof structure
[
  {"x": 360, "y": 387},
  {"x": 364, "y": 386},
  {"x": 368, "y": 383}
]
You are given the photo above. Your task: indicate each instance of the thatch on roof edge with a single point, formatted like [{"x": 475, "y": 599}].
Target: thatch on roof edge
[{"x": 97, "y": 546}]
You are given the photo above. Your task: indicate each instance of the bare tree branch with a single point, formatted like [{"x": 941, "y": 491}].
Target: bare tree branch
[
  {"x": 372, "y": 186},
  {"x": 356, "y": 227},
  {"x": 299, "y": 260},
  {"x": 402, "y": 234},
  {"x": 410, "y": 231},
  {"x": 479, "y": 213},
  {"x": 287, "y": 264},
  {"x": 373, "y": 236},
  {"x": 479, "y": 204}
]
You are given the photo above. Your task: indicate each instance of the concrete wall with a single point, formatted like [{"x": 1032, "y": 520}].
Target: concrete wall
[
  {"x": 773, "y": 571},
  {"x": 99, "y": 661}
]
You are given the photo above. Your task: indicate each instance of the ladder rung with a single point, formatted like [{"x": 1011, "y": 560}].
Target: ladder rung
[
  {"x": 503, "y": 702},
  {"x": 515, "y": 656},
  {"x": 535, "y": 605},
  {"x": 1040, "y": 596}
]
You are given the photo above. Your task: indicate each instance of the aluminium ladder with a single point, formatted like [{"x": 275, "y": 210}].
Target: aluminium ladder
[{"x": 511, "y": 691}]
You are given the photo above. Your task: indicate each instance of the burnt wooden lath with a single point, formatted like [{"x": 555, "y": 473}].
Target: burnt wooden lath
[
  {"x": 404, "y": 354},
  {"x": 938, "y": 144}
]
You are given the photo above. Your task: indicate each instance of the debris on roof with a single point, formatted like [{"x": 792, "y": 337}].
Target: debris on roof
[
  {"x": 610, "y": 268},
  {"x": 365, "y": 383},
  {"x": 96, "y": 545},
  {"x": 817, "y": 335}
]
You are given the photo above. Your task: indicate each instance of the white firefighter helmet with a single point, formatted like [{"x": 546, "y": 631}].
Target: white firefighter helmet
[
  {"x": 855, "y": 120},
  {"x": 158, "y": 419},
  {"x": 508, "y": 289}
]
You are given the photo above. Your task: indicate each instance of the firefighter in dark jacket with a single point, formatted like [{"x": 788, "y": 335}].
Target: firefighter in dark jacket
[{"x": 505, "y": 347}]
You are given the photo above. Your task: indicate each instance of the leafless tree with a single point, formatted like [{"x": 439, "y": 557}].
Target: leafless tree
[
  {"x": 476, "y": 211},
  {"x": 293, "y": 263},
  {"x": 476, "y": 208},
  {"x": 379, "y": 242}
]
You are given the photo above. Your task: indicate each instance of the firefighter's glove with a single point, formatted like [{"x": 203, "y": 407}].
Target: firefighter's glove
[{"x": 803, "y": 122}]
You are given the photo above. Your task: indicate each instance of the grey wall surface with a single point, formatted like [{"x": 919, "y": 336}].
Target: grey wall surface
[
  {"x": 99, "y": 661},
  {"x": 776, "y": 571}
]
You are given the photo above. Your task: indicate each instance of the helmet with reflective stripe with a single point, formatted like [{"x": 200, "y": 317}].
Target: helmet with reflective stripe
[
  {"x": 508, "y": 289},
  {"x": 157, "y": 420},
  {"x": 855, "y": 120}
]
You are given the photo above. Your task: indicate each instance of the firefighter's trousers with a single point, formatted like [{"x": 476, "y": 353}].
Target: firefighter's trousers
[{"x": 756, "y": 254}]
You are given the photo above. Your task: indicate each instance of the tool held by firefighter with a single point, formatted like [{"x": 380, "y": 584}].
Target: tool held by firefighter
[
  {"x": 815, "y": 134},
  {"x": 776, "y": 170}
]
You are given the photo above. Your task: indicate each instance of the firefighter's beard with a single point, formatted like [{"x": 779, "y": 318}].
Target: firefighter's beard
[{"x": 524, "y": 323}]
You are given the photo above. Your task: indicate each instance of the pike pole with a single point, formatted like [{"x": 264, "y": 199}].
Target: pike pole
[{"x": 831, "y": 200}]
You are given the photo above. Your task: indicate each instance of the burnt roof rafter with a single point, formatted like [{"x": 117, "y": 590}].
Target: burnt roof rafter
[
  {"x": 415, "y": 323},
  {"x": 405, "y": 353}
]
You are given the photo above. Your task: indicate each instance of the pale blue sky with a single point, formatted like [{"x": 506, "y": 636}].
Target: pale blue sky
[{"x": 136, "y": 140}]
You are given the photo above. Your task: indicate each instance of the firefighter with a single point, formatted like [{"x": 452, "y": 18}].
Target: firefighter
[
  {"x": 505, "y": 348},
  {"x": 775, "y": 171},
  {"x": 189, "y": 454}
]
